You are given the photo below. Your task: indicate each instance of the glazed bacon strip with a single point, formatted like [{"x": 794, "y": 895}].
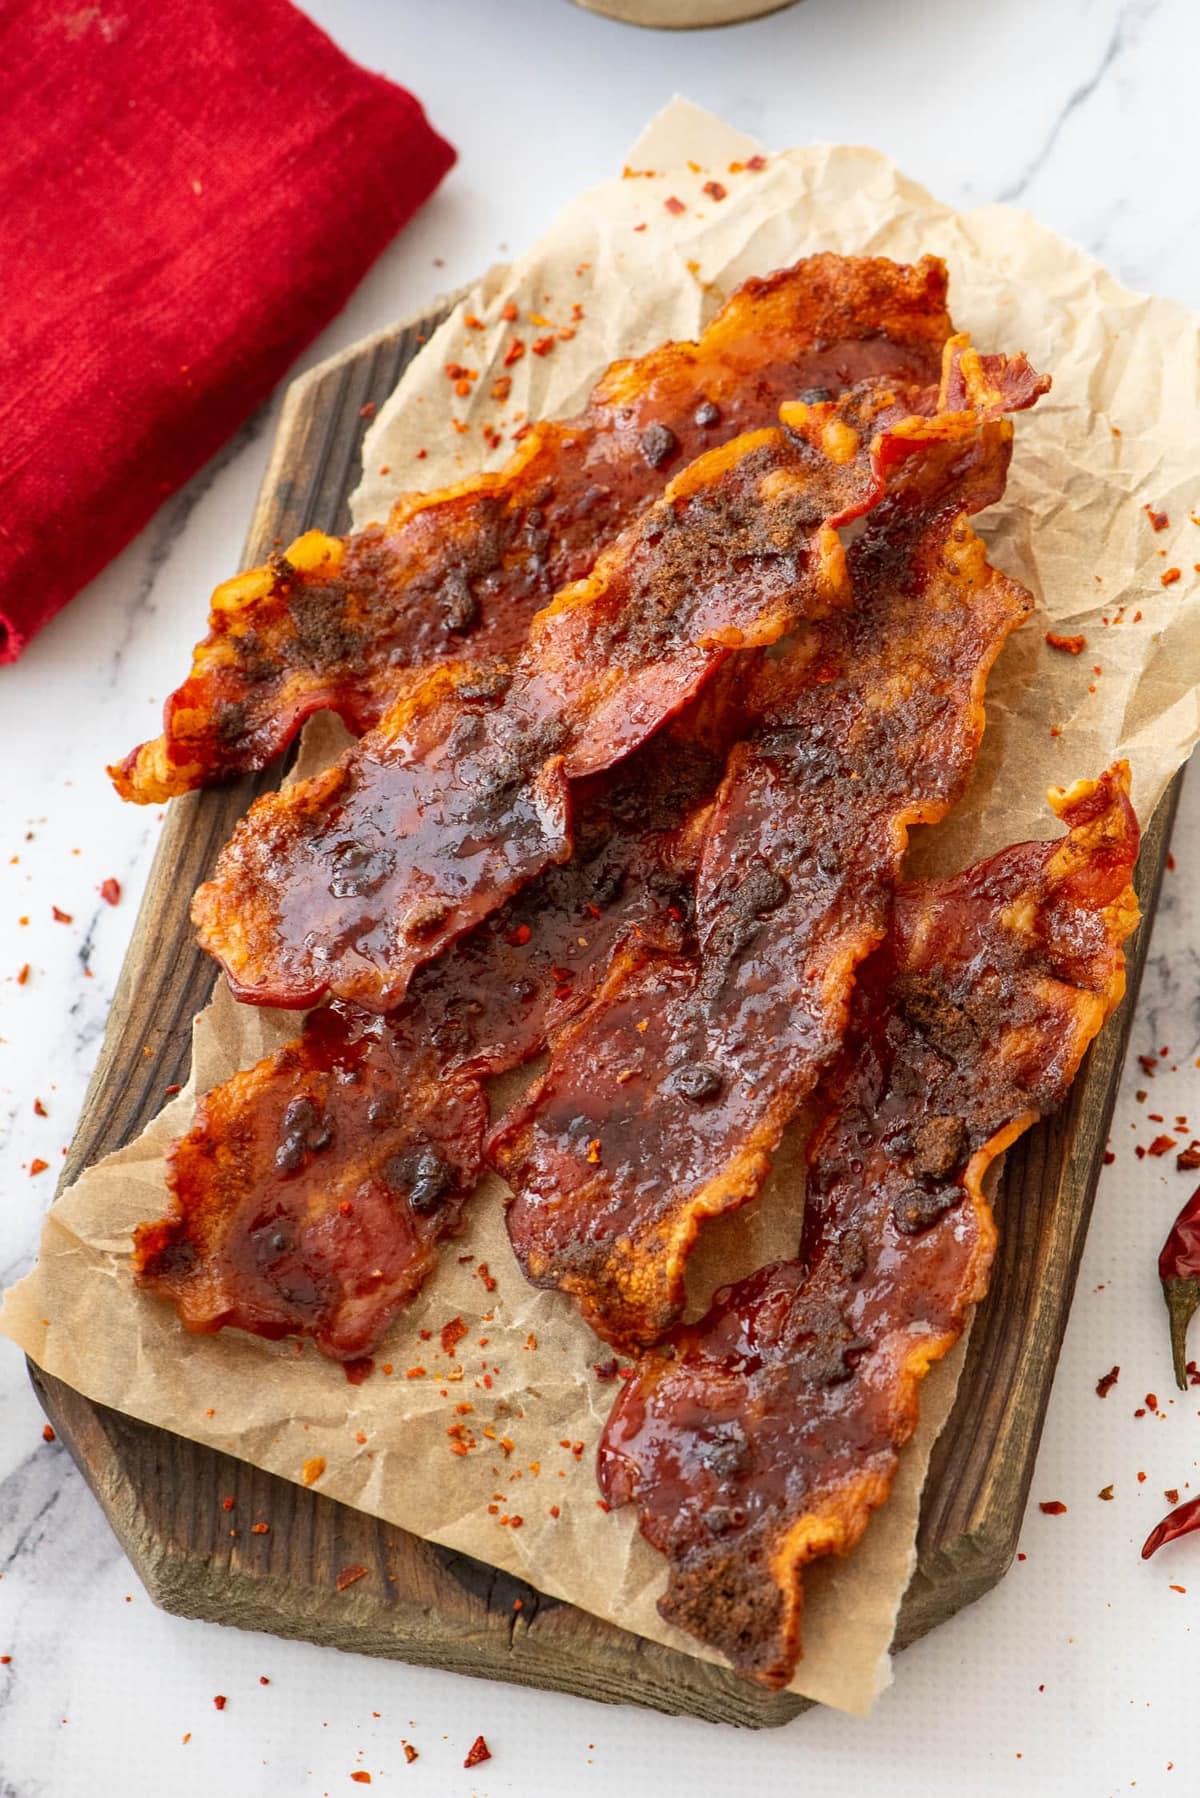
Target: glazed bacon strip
[
  {"x": 310, "y": 1194},
  {"x": 336, "y": 623},
  {"x": 764, "y": 1436},
  {"x": 346, "y": 883},
  {"x": 662, "y": 1104}
]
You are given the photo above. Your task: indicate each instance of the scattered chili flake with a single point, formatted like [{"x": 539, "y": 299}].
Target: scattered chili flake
[
  {"x": 110, "y": 891},
  {"x": 171, "y": 1090},
  {"x": 61, "y": 917},
  {"x": 542, "y": 346},
  {"x": 674, "y": 205},
  {"x": 39, "y": 1110},
  {"x": 363, "y": 1778},
  {"x": 5, "y": 1660},
  {"x": 38, "y": 1166},
  {"x": 1053, "y": 1507},
  {"x": 1158, "y": 520},
  {"x": 501, "y": 387},
  {"x": 477, "y": 1753},
  {"x": 227, "y": 1504},
  {"x": 1177, "y": 1588},
  {"x": 1105, "y": 1492},
  {"x": 47, "y": 1432},
  {"x": 312, "y": 1470},
  {"x": 1171, "y": 1494},
  {"x": 1188, "y": 1159},
  {"x": 220, "y": 1701},
  {"x": 1152, "y": 1401},
  {"x": 756, "y": 163},
  {"x": 1073, "y": 646},
  {"x": 715, "y": 190},
  {"x": 415, "y": 1373},
  {"x": 1169, "y": 576},
  {"x": 508, "y": 312},
  {"x": 487, "y": 1278},
  {"x": 554, "y": 1511},
  {"x": 1109, "y": 1157},
  {"x": 514, "y": 352},
  {"x": 1160, "y": 1145},
  {"x": 472, "y": 323},
  {"x": 367, "y": 411},
  {"x": 1141, "y": 1478},
  {"x": 518, "y": 937},
  {"x": 410, "y": 1753},
  {"x": 259, "y": 1529},
  {"x": 359, "y": 1369},
  {"x": 452, "y": 1334},
  {"x": 1107, "y": 1381},
  {"x": 23, "y": 974},
  {"x": 607, "y": 1370}
]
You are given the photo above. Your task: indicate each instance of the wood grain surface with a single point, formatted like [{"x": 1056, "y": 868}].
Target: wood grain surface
[{"x": 417, "y": 1602}]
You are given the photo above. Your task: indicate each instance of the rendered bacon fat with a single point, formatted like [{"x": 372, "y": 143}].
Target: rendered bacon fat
[
  {"x": 663, "y": 1102},
  {"x": 346, "y": 883},
  {"x": 288, "y": 1166},
  {"x": 335, "y": 623},
  {"x": 764, "y": 1435}
]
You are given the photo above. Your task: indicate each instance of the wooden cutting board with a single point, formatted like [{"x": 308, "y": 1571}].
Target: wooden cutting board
[{"x": 416, "y": 1602}]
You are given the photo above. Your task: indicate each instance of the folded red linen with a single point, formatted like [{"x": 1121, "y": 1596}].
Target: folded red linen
[{"x": 190, "y": 190}]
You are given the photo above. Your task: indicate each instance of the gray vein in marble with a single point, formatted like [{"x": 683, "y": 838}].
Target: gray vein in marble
[{"x": 1127, "y": 28}]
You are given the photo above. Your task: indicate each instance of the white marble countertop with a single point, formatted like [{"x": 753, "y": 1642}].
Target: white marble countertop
[{"x": 1077, "y": 1674}]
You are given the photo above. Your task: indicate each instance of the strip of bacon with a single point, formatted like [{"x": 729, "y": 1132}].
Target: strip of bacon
[
  {"x": 348, "y": 882},
  {"x": 297, "y": 1208},
  {"x": 311, "y": 1192},
  {"x": 763, "y": 1436},
  {"x": 335, "y": 623},
  {"x": 662, "y": 1104}
]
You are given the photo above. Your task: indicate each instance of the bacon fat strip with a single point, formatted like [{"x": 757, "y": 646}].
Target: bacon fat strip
[
  {"x": 311, "y": 1190},
  {"x": 346, "y": 883},
  {"x": 662, "y": 1104},
  {"x": 764, "y": 1436},
  {"x": 335, "y": 623}
]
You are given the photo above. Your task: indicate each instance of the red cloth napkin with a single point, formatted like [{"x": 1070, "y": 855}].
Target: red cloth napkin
[{"x": 189, "y": 191}]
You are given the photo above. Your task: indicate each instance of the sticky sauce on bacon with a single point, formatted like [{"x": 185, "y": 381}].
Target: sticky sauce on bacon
[
  {"x": 335, "y": 623},
  {"x": 312, "y": 1190},
  {"x": 663, "y": 1103},
  {"x": 763, "y": 1436},
  {"x": 348, "y": 882},
  {"x": 259, "y": 1236}
]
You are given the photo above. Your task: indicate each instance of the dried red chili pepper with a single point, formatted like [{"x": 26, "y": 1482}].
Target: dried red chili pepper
[
  {"x": 1180, "y": 1522},
  {"x": 1179, "y": 1271}
]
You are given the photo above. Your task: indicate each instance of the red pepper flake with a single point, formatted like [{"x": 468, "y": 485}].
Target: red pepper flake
[
  {"x": 542, "y": 346},
  {"x": 554, "y": 1511},
  {"x": 23, "y": 974},
  {"x": 1141, "y": 1478},
  {"x": 518, "y": 937},
  {"x": 1152, "y": 1401},
  {"x": 674, "y": 205},
  {"x": 1107, "y": 1381},
  {"x": 170, "y": 1091},
  {"x": 220, "y": 1701},
  {"x": 38, "y": 1166},
  {"x": 259, "y": 1529},
  {"x": 1188, "y": 1159},
  {"x": 714, "y": 190},
  {"x": 47, "y": 1432},
  {"x": 1053, "y": 1507},
  {"x": 477, "y": 1753},
  {"x": 415, "y": 1373},
  {"x": 1169, "y": 576},
  {"x": 1171, "y": 1494},
  {"x": 452, "y": 1334},
  {"x": 1109, "y": 1157},
  {"x": 756, "y": 163},
  {"x": 1139, "y": 1151},
  {"x": 1105, "y": 1492},
  {"x": 363, "y": 1778},
  {"x": 472, "y": 323},
  {"x": 487, "y": 1278},
  {"x": 367, "y": 411},
  {"x": 1158, "y": 520},
  {"x": 410, "y": 1753},
  {"x": 5, "y": 1660},
  {"x": 359, "y": 1369},
  {"x": 61, "y": 917},
  {"x": 514, "y": 352},
  {"x": 508, "y": 312},
  {"x": 227, "y": 1504},
  {"x": 312, "y": 1470},
  {"x": 1071, "y": 646},
  {"x": 607, "y": 1370},
  {"x": 39, "y": 1110},
  {"x": 1160, "y": 1145},
  {"x": 602, "y": 1504},
  {"x": 501, "y": 387},
  {"x": 110, "y": 891},
  {"x": 349, "y": 1576}
]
